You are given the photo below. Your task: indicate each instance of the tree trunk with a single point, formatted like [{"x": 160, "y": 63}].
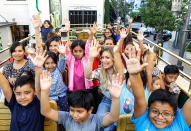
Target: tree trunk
[{"x": 159, "y": 37}]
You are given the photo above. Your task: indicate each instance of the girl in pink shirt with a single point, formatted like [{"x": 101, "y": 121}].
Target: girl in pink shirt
[{"x": 77, "y": 57}]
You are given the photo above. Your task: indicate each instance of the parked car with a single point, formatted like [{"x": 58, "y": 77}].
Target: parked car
[
  {"x": 140, "y": 26},
  {"x": 166, "y": 35}
]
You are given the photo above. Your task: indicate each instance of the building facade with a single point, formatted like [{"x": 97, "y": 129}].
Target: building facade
[{"x": 77, "y": 11}]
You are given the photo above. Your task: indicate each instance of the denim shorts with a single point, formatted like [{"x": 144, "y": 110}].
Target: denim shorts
[{"x": 103, "y": 108}]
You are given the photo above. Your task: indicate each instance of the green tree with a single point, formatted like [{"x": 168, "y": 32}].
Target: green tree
[
  {"x": 122, "y": 8},
  {"x": 107, "y": 12},
  {"x": 158, "y": 14}
]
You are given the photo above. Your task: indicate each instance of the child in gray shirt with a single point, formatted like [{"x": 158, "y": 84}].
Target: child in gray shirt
[{"x": 81, "y": 105}]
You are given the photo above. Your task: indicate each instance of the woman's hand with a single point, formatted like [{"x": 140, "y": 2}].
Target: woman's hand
[
  {"x": 130, "y": 20},
  {"x": 36, "y": 20},
  {"x": 93, "y": 49},
  {"x": 133, "y": 63},
  {"x": 140, "y": 35},
  {"x": 62, "y": 49},
  {"x": 12, "y": 81},
  {"x": 123, "y": 33}
]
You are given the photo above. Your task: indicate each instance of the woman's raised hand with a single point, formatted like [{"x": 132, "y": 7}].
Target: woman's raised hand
[
  {"x": 36, "y": 21},
  {"x": 116, "y": 86},
  {"x": 130, "y": 20},
  {"x": 140, "y": 35},
  {"x": 62, "y": 49},
  {"x": 45, "y": 80},
  {"x": 39, "y": 59},
  {"x": 123, "y": 33},
  {"x": 133, "y": 62},
  {"x": 93, "y": 49}
]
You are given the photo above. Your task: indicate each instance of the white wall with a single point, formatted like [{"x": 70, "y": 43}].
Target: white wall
[
  {"x": 17, "y": 10},
  {"x": 6, "y": 36},
  {"x": 84, "y": 5},
  {"x": 22, "y": 11},
  {"x": 43, "y": 7}
]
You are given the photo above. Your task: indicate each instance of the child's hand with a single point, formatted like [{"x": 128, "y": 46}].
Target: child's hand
[
  {"x": 123, "y": 33},
  {"x": 12, "y": 81},
  {"x": 133, "y": 63},
  {"x": 36, "y": 20},
  {"x": 62, "y": 49},
  {"x": 174, "y": 88},
  {"x": 140, "y": 35},
  {"x": 93, "y": 29},
  {"x": 116, "y": 86},
  {"x": 93, "y": 49},
  {"x": 45, "y": 80},
  {"x": 39, "y": 59},
  {"x": 130, "y": 20},
  {"x": 66, "y": 22},
  {"x": 151, "y": 55}
]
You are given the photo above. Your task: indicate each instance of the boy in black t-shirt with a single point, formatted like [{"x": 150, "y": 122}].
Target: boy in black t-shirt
[{"x": 23, "y": 104}]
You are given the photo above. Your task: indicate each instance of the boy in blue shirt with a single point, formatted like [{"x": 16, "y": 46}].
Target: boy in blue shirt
[
  {"x": 81, "y": 105},
  {"x": 23, "y": 104},
  {"x": 161, "y": 113}
]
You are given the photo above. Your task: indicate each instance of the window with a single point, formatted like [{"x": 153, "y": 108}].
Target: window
[{"x": 82, "y": 17}]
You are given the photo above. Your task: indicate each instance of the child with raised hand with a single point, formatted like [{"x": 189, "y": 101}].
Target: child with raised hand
[
  {"x": 58, "y": 89},
  {"x": 23, "y": 104},
  {"x": 161, "y": 112},
  {"x": 77, "y": 58},
  {"x": 81, "y": 105}
]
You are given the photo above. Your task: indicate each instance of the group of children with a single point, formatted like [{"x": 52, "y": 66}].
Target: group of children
[{"x": 129, "y": 83}]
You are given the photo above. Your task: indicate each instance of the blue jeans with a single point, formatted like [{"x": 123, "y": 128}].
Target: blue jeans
[{"x": 103, "y": 108}]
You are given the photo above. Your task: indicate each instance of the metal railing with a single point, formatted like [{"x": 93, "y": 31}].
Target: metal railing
[
  {"x": 150, "y": 42},
  {"x": 183, "y": 74}
]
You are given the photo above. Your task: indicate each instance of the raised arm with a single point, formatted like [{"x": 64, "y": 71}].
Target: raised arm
[
  {"x": 4, "y": 85},
  {"x": 134, "y": 68},
  {"x": 130, "y": 22},
  {"x": 149, "y": 68},
  {"x": 37, "y": 23},
  {"x": 66, "y": 22},
  {"x": 46, "y": 110},
  {"x": 118, "y": 26},
  {"x": 118, "y": 61},
  {"x": 123, "y": 35},
  {"x": 115, "y": 89},
  {"x": 93, "y": 52},
  {"x": 62, "y": 58},
  {"x": 186, "y": 111},
  {"x": 140, "y": 38},
  {"x": 38, "y": 62}
]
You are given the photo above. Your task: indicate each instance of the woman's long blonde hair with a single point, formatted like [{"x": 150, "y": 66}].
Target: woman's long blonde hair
[{"x": 103, "y": 73}]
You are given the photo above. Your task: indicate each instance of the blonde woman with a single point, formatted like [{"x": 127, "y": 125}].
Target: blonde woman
[{"x": 111, "y": 63}]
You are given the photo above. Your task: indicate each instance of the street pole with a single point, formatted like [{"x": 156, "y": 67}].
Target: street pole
[{"x": 184, "y": 36}]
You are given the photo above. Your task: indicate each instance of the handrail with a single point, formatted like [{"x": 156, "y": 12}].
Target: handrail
[
  {"x": 176, "y": 56},
  {"x": 4, "y": 50}
]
